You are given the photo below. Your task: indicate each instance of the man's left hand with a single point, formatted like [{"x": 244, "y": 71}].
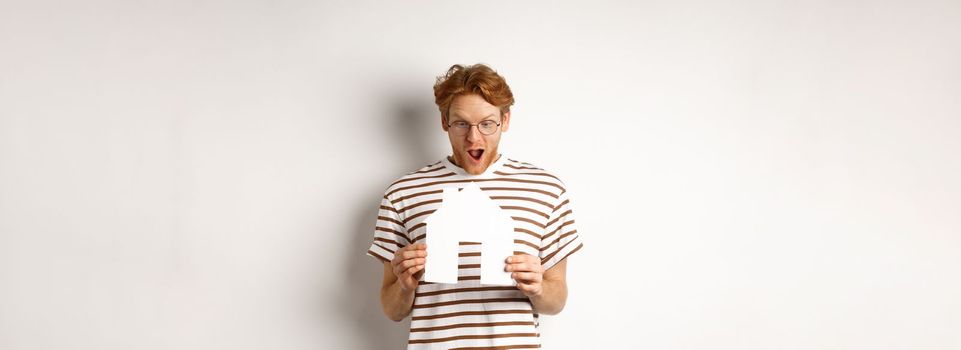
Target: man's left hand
[{"x": 528, "y": 272}]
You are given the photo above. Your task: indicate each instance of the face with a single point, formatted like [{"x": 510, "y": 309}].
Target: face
[{"x": 474, "y": 152}]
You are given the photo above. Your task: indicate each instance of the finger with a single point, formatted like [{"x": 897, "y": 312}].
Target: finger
[
  {"x": 406, "y": 272},
  {"x": 406, "y": 264},
  {"x": 521, "y": 258},
  {"x": 526, "y": 276},
  {"x": 411, "y": 254},
  {"x": 527, "y": 288},
  {"x": 410, "y": 279},
  {"x": 524, "y": 267},
  {"x": 411, "y": 247},
  {"x": 416, "y": 247},
  {"x": 413, "y": 270},
  {"x": 399, "y": 255},
  {"x": 515, "y": 267}
]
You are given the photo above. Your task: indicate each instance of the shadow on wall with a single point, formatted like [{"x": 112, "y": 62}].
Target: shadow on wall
[{"x": 360, "y": 301}]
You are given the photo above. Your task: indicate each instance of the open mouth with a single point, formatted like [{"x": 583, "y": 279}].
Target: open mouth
[{"x": 475, "y": 154}]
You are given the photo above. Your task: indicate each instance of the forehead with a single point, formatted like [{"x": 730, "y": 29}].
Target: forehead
[{"x": 472, "y": 107}]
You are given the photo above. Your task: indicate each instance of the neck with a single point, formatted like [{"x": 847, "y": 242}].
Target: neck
[{"x": 454, "y": 161}]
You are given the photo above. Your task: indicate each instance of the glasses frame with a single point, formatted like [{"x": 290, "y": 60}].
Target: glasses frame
[{"x": 450, "y": 126}]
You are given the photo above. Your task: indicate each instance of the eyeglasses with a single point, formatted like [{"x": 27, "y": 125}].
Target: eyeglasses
[{"x": 461, "y": 128}]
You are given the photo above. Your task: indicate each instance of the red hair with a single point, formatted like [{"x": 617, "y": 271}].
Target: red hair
[{"x": 476, "y": 79}]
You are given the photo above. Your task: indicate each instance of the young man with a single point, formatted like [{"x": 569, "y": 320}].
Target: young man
[{"x": 474, "y": 103}]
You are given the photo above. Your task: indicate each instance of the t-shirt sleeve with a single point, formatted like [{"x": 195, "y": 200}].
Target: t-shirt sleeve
[
  {"x": 560, "y": 239},
  {"x": 389, "y": 232}
]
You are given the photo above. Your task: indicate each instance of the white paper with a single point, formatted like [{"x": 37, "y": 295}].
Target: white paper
[
  {"x": 468, "y": 215},
  {"x": 442, "y": 241}
]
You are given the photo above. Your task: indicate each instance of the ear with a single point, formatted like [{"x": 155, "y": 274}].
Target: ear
[
  {"x": 443, "y": 123},
  {"x": 505, "y": 121}
]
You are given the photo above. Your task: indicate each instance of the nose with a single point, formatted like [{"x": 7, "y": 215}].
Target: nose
[{"x": 474, "y": 134}]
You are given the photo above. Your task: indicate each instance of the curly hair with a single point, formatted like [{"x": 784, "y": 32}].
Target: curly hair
[{"x": 475, "y": 79}]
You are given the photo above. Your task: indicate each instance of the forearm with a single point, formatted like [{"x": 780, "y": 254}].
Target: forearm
[
  {"x": 396, "y": 302},
  {"x": 552, "y": 298}
]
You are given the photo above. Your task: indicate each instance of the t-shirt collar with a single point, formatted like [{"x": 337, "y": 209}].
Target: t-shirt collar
[{"x": 487, "y": 173}]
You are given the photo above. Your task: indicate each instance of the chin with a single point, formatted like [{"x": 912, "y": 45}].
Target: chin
[{"x": 473, "y": 167}]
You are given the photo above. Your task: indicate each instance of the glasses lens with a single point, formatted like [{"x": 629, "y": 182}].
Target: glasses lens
[
  {"x": 460, "y": 128},
  {"x": 487, "y": 127}
]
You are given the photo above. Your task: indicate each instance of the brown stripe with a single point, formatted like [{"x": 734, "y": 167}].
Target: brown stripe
[
  {"x": 521, "y": 241},
  {"x": 460, "y": 278},
  {"x": 520, "y": 162},
  {"x": 429, "y": 170},
  {"x": 417, "y": 195},
  {"x": 471, "y": 301},
  {"x": 426, "y": 184},
  {"x": 559, "y": 238},
  {"x": 392, "y": 251},
  {"x": 425, "y": 212},
  {"x": 467, "y": 325},
  {"x": 522, "y": 167},
  {"x": 468, "y": 266},
  {"x": 470, "y": 313},
  {"x": 524, "y": 199},
  {"x": 519, "y": 189},
  {"x": 529, "y": 210},
  {"x": 415, "y": 227},
  {"x": 558, "y": 229},
  {"x": 388, "y": 208},
  {"x": 579, "y": 246},
  {"x": 461, "y": 255},
  {"x": 390, "y": 220},
  {"x": 535, "y": 223},
  {"x": 421, "y": 178},
  {"x": 378, "y": 256},
  {"x": 551, "y": 255},
  {"x": 468, "y": 243},
  {"x": 460, "y": 337},
  {"x": 505, "y": 347},
  {"x": 527, "y": 232},
  {"x": 385, "y": 240},
  {"x": 559, "y": 206},
  {"x": 384, "y": 229},
  {"x": 535, "y": 174},
  {"x": 412, "y": 206},
  {"x": 465, "y": 290},
  {"x": 559, "y": 217}
]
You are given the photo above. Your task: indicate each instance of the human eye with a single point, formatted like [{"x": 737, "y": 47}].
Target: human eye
[
  {"x": 460, "y": 125},
  {"x": 488, "y": 124}
]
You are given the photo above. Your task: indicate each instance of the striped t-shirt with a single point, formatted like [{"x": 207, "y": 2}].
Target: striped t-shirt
[{"x": 468, "y": 315}]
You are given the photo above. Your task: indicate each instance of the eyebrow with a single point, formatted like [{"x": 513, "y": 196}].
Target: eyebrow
[{"x": 455, "y": 115}]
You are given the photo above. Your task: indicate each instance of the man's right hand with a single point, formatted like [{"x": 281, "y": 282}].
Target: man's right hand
[{"x": 408, "y": 264}]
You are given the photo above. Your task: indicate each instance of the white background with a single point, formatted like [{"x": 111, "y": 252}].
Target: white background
[{"x": 745, "y": 174}]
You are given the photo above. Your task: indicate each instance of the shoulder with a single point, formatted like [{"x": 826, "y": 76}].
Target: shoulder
[
  {"x": 430, "y": 172},
  {"x": 513, "y": 167}
]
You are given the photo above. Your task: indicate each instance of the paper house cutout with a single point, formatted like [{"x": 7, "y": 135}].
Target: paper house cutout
[{"x": 468, "y": 215}]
